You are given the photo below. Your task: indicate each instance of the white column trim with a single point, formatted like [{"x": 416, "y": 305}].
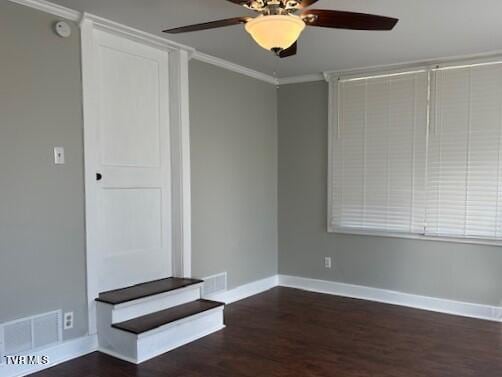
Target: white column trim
[
  {"x": 90, "y": 116},
  {"x": 180, "y": 157}
]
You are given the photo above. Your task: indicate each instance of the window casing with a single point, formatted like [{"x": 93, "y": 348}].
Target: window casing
[{"x": 418, "y": 153}]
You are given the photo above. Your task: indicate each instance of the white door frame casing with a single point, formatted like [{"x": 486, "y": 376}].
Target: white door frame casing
[{"x": 179, "y": 125}]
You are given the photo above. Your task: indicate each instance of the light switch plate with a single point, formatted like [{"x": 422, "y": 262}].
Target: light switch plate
[{"x": 59, "y": 155}]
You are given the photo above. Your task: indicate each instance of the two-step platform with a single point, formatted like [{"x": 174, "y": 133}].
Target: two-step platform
[{"x": 143, "y": 321}]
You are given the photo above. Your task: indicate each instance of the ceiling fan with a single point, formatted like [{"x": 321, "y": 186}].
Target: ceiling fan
[{"x": 281, "y": 22}]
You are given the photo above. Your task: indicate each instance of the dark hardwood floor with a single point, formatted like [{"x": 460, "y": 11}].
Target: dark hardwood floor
[{"x": 288, "y": 332}]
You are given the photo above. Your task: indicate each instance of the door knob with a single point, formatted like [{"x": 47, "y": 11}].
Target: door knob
[{"x": 99, "y": 176}]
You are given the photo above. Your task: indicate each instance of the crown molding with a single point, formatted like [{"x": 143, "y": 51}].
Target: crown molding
[
  {"x": 155, "y": 40},
  {"x": 103, "y": 23},
  {"x": 235, "y": 67},
  {"x": 300, "y": 79},
  {"x": 479, "y": 58},
  {"x": 51, "y": 8},
  {"x": 142, "y": 36},
  {"x": 76, "y": 16},
  {"x": 441, "y": 62},
  {"x": 132, "y": 33}
]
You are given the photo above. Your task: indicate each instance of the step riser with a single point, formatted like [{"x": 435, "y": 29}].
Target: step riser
[
  {"x": 119, "y": 344},
  {"x": 147, "y": 305},
  {"x": 193, "y": 328},
  {"x": 140, "y": 348}
]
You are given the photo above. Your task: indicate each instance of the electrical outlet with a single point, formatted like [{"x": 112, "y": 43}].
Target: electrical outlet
[
  {"x": 327, "y": 262},
  {"x": 68, "y": 321}
]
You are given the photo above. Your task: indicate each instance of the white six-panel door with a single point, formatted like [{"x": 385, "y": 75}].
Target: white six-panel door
[{"x": 132, "y": 161}]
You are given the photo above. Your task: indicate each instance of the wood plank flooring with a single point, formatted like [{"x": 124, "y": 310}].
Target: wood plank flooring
[{"x": 286, "y": 332}]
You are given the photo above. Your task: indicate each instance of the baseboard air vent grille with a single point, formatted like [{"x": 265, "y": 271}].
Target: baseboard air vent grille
[
  {"x": 214, "y": 284},
  {"x": 28, "y": 334}
]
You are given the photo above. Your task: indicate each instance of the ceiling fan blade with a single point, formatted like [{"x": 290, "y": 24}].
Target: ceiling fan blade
[
  {"x": 209, "y": 25},
  {"x": 347, "y": 20},
  {"x": 241, "y": 2},
  {"x": 306, "y": 3},
  {"x": 290, "y": 51}
]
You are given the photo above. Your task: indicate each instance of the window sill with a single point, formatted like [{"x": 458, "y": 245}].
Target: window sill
[{"x": 472, "y": 241}]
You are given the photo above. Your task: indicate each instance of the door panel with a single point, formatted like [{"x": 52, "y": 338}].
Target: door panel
[
  {"x": 130, "y": 117},
  {"x": 134, "y": 197},
  {"x": 132, "y": 220}
]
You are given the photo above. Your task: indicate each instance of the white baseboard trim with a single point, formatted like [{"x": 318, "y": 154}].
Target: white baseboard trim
[
  {"x": 245, "y": 291},
  {"x": 465, "y": 309},
  {"x": 57, "y": 354}
]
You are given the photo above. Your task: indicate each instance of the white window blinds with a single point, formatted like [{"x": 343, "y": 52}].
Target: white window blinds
[
  {"x": 379, "y": 154},
  {"x": 418, "y": 153},
  {"x": 465, "y": 182}
]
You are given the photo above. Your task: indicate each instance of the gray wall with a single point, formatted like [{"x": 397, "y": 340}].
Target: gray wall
[
  {"x": 42, "y": 260},
  {"x": 235, "y": 178},
  {"x": 234, "y": 174},
  {"x": 455, "y": 271}
]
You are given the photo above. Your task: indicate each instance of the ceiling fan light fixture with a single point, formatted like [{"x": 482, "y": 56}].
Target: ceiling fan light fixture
[{"x": 276, "y": 31}]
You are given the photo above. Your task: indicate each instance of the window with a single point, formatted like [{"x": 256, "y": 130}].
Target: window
[
  {"x": 379, "y": 154},
  {"x": 418, "y": 153},
  {"x": 464, "y": 186}
]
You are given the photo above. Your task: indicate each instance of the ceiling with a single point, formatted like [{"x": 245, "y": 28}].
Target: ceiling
[{"x": 428, "y": 29}]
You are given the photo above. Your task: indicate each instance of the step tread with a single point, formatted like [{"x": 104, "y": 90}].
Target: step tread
[
  {"x": 151, "y": 288},
  {"x": 155, "y": 320}
]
